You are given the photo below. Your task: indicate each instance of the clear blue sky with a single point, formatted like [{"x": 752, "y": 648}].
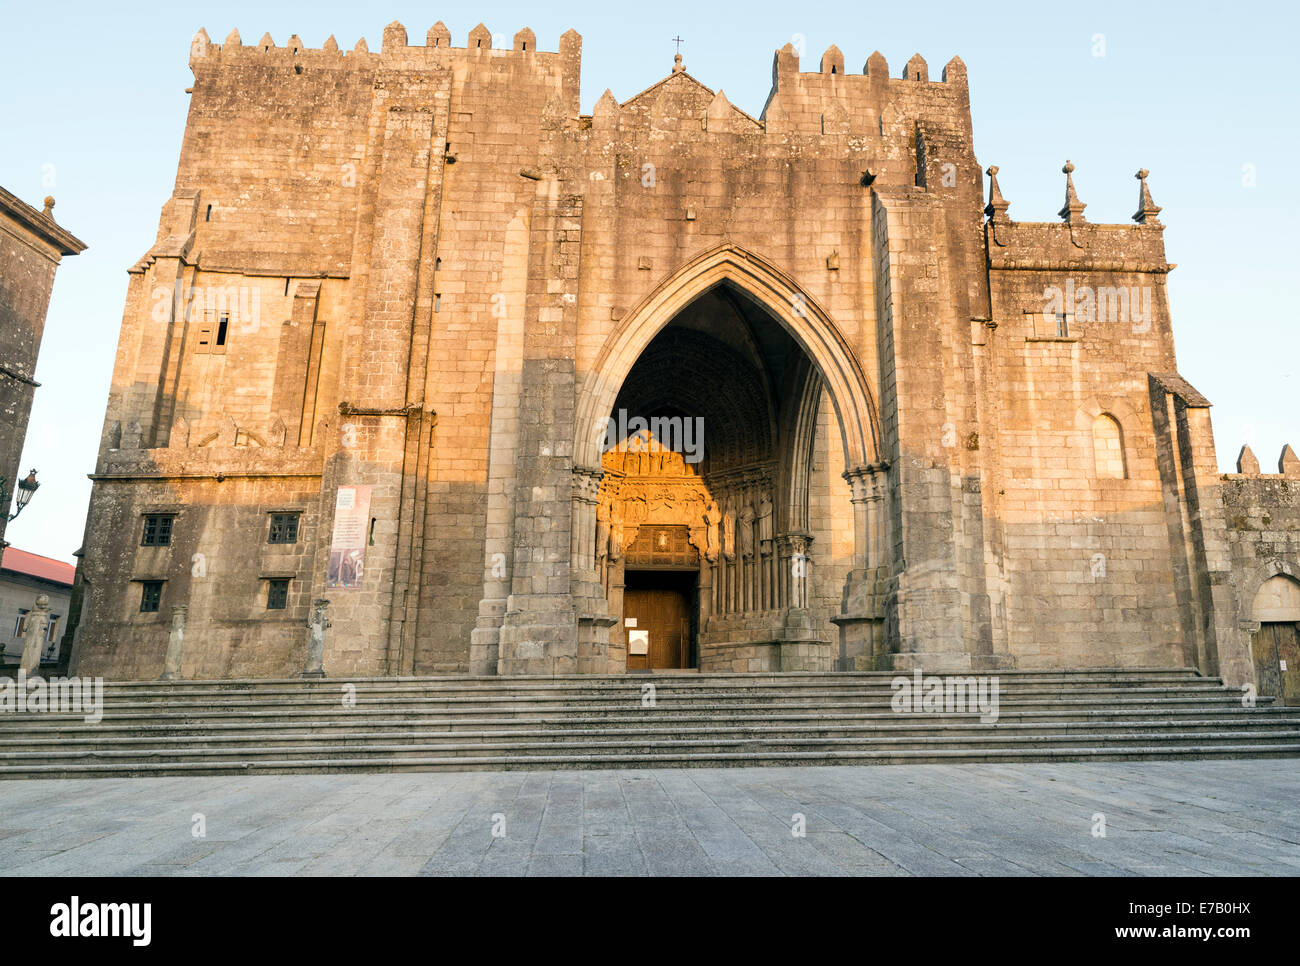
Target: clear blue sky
[{"x": 93, "y": 98}]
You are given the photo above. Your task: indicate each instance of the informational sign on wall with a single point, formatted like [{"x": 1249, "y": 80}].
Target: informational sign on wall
[
  {"x": 351, "y": 534},
  {"x": 638, "y": 642}
]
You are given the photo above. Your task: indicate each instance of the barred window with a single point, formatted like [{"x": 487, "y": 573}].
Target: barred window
[
  {"x": 284, "y": 528},
  {"x": 157, "y": 530},
  {"x": 150, "y": 596},
  {"x": 277, "y": 594}
]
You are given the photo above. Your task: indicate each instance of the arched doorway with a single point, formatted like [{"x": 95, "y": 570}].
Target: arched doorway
[
  {"x": 1275, "y": 647},
  {"x": 716, "y": 400}
]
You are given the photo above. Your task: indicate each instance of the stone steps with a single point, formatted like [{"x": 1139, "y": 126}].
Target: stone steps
[
  {"x": 410, "y": 724},
  {"x": 181, "y": 745},
  {"x": 604, "y": 685},
  {"x": 36, "y": 732}
]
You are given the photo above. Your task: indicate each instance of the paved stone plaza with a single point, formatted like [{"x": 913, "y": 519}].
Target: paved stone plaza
[{"x": 1161, "y": 818}]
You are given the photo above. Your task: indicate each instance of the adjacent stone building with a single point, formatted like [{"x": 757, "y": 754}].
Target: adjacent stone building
[
  {"x": 23, "y": 578},
  {"x": 522, "y": 390},
  {"x": 31, "y": 247}
]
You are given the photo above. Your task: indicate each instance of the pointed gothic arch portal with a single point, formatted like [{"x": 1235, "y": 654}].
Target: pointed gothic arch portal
[{"x": 700, "y": 418}]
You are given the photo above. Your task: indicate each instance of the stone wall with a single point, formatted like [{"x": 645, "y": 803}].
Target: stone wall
[
  {"x": 443, "y": 274},
  {"x": 1262, "y": 512},
  {"x": 31, "y": 247}
]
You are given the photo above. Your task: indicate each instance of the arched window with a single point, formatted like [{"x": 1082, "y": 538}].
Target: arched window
[
  {"x": 1278, "y": 600},
  {"x": 1108, "y": 448}
]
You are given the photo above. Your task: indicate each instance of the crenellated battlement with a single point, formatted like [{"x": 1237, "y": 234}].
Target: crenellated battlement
[
  {"x": 395, "y": 39},
  {"x": 785, "y": 64},
  {"x": 1288, "y": 465}
]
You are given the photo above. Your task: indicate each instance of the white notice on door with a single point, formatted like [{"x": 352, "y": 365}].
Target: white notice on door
[
  {"x": 629, "y": 622},
  {"x": 638, "y": 642},
  {"x": 1283, "y": 663}
]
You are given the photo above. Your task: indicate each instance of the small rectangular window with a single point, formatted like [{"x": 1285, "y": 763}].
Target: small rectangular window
[
  {"x": 52, "y": 632},
  {"x": 20, "y": 625},
  {"x": 150, "y": 596},
  {"x": 223, "y": 327},
  {"x": 157, "y": 530},
  {"x": 1062, "y": 326},
  {"x": 284, "y": 528},
  {"x": 277, "y": 594}
]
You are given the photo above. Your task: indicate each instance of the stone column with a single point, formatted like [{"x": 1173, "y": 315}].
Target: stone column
[
  {"x": 316, "y": 644},
  {"x": 594, "y": 619},
  {"x": 175, "y": 641},
  {"x": 38, "y": 621},
  {"x": 582, "y": 539},
  {"x": 861, "y": 611}
]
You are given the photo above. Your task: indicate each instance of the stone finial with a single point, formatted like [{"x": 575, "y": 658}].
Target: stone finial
[
  {"x": 1147, "y": 209},
  {"x": 876, "y": 66},
  {"x": 954, "y": 71},
  {"x": 832, "y": 61},
  {"x": 525, "y": 40},
  {"x": 718, "y": 116},
  {"x": 395, "y": 36},
  {"x": 1247, "y": 463},
  {"x": 438, "y": 36},
  {"x": 49, "y": 207},
  {"x": 361, "y": 47},
  {"x": 678, "y": 66},
  {"x": 480, "y": 38},
  {"x": 233, "y": 39},
  {"x": 294, "y": 44},
  {"x": 331, "y": 43},
  {"x": 1073, "y": 210},
  {"x": 266, "y": 43},
  {"x": 199, "y": 45},
  {"x": 916, "y": 69},
  {"x": 606, "y": 108},
  {"x": 997, "y": 207},
  {"x": 1288, "y": 464}
]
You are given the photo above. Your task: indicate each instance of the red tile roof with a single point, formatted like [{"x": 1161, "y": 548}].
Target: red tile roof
[{"x": 33, "y": 565}]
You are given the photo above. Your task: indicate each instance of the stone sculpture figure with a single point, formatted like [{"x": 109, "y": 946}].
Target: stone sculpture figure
[
  {"x": 602, "y": 531},
  {"x": 765, "y": 521},
  {"x": 745, "y": 530},
  {"x": 712, "y": 516}
]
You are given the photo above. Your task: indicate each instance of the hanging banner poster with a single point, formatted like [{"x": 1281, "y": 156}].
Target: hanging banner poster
[{"x": 351, "y": 530}]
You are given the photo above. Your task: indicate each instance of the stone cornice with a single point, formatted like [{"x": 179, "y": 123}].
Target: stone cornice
[{"x": 40, "y": 224}]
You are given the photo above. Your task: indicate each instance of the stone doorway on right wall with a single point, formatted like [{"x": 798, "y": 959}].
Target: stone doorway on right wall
[{"x": 1276, "y": 651}]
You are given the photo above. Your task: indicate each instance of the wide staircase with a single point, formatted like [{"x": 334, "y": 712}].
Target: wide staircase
[{"x": 627, "y": 721}]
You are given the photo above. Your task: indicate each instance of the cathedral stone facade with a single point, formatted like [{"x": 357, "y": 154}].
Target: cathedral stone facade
[{"x": 477, "y": 383}]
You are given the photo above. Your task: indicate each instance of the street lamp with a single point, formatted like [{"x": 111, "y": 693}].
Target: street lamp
[{"x": 26, "y": 489}]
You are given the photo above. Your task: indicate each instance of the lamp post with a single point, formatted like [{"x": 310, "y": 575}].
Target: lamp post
[{"x": 27, "y": 487}]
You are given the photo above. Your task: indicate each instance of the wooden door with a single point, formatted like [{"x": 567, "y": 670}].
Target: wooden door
[
  {"x": 1276, "y": 650},
  {"x": 663, "y": 614}
]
